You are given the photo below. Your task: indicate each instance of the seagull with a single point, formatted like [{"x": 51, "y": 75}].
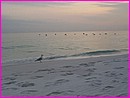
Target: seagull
[
  {"x": 114, "y": 33},
  {"x": 39, "y": 59},
  {"x": 93, "y": 33},
  {"x": 105, "y": 33}
]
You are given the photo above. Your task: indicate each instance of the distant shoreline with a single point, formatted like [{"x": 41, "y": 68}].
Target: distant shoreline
[{"x": 69, "y": 31}]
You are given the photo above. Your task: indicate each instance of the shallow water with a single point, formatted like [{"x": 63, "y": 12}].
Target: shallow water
[{"x": 55, "y": 45}]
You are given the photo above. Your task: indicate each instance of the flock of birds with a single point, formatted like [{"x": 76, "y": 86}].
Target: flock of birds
[{"x": 82, "y": 33}]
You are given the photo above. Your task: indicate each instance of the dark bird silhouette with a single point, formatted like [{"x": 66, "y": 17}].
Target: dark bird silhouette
[
  {"x": 93, "y": 33},
  {"x": 39, "y": 59},
  {"x": 105, "y": 33},
  {"x": 114, "y": 33}
]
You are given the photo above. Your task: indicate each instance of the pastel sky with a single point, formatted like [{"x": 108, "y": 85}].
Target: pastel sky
[{"x": 64, "y": 16}]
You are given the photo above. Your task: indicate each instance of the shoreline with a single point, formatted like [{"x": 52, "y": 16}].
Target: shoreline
[
  {"x": 31, "y": 60},
  {"x": 96, "y": 76}
]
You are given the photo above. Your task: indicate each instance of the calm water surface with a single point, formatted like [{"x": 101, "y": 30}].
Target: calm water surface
[{"x": 55, "y": 45}]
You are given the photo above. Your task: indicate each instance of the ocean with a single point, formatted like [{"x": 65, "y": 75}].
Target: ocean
[{"x": 26, "y": 47}]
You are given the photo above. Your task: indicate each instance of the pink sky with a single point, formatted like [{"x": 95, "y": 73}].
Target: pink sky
[{"x": 70, "y": 16}]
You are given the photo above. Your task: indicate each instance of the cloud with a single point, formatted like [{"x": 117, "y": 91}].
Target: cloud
[
  {"x": 26, "y": 12},
  {"x": 63, "y": 16}
]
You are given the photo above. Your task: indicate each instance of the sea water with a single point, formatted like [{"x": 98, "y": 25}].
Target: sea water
[{"x": 60, "y": 45}]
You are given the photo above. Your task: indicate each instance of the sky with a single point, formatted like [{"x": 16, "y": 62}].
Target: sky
[{"x": 64, "y": 16}]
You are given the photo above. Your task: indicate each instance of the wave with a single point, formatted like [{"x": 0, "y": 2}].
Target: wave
[
  {"x": 19, "y": 46},
  {"x": 55, "y": 57},
  {"x": 87, "y": 54},
  {"x": 91, "y": 53},
  {"x": 74, "y": 48},
  {"x": 66, "y": 48},
  {"x": 100, "y": 52}
]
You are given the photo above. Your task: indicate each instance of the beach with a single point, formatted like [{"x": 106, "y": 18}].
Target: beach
[
  {"x": 64, "y": 49},
  {"x": 93, "y": 76}
]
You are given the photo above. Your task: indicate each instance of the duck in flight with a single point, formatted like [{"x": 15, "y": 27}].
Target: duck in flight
[{"x": 39, "y": 59}]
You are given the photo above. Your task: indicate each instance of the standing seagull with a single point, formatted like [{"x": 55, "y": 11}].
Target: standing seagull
[{"x": 39, "y": 59}]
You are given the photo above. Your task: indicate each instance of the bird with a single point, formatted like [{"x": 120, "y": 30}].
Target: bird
[
  {"x": 105, "y": 33},
  {"x": 39, "y": 59},
  {"x": 93, "y": 33}
]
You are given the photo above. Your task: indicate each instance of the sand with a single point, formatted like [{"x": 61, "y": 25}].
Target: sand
[{"x": 95, "y": 76}]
